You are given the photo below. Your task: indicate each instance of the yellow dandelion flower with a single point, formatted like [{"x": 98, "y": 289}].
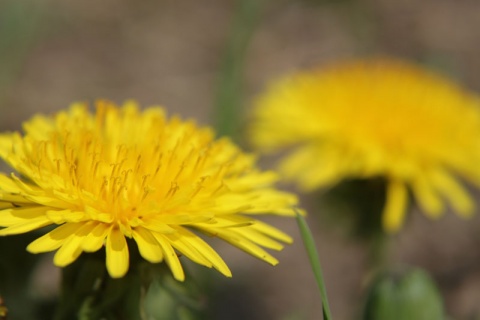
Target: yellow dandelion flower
[
  {"x": 122, "y": 173},
  {"x": 375, "y": 118}
]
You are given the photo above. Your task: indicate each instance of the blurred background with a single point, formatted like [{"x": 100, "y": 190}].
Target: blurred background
[{"x": 200, "y": 58}]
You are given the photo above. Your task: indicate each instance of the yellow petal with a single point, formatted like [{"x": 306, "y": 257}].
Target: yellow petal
[
  {"x": 170, "y": 257},
  {"x": 117, "y": 254},
  {"x": 54, "y": 239},
  {"x": 28, "y": 189},
  {"x": 272, "y": 232},
  {"x": 394, "y": 211},
  {"x": 14, "y": 198},
  {"x": 184, "y": 247},
  {"x": 95, "y": 214},
  {"x": 29, "y": 225},
  {"x": 163, "y": 220},
  {"x": 269, "y": 201},
  {"x": 13, "y": 216},
  {"x": 427, "y": 197},
  {"x": 8, "y": 185},
  {"x": 453, "y": 191},
  {"x": 158, "y": 226},
  {"x": 61, "y": 216},
  {"x": 95, "y": 239},
  {"x": 258, "y": 238},
  {"x": 5, "y": 205},
  {"x": 314, "y": 165},
  {"x": 228, "y": 221},
  {"x": 72, "y": 247},
  {"x": 148, "y": 246},
  {"x": 47, "y": 201},
  {"x": 206, "y": 251},
  {"x": 232, "y": 237}
]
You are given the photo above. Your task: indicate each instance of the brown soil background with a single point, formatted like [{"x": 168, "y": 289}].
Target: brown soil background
[{"x": 169, "y": 52}]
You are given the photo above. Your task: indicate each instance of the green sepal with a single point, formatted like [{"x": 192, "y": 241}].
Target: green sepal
[
  {"x": 147, "y": 291},
  {"x": 167, "y": 299},
  {"x": 404, "y": 295}
]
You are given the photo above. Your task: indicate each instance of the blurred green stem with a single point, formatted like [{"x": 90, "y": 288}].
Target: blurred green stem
[
  {"x": 315, "y": 263},
  {"x": 21, "y": 23},
  {"x": 229, "y": 93},
  {"x": 379, "y": 250}
]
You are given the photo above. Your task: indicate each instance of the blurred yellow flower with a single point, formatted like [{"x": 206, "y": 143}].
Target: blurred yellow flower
[
  {"x": 375, "y": 118},
  {"x": 124, "y": 173}
]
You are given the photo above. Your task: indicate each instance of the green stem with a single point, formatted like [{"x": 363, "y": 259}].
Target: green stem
[
  {"x": 228, "y": 99},
  {"x": 379, "y": 251},
  {"x": 21, "y": 23},
  {"x": 315, "y": 263}
]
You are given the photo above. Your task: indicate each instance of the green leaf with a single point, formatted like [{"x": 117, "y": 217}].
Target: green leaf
[{"x": 315, "y": 263}]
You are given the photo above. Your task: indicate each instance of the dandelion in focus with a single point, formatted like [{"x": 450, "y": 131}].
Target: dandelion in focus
[
  {"x": 121, "y": 173},
  {"x": 375, "y": 118}
]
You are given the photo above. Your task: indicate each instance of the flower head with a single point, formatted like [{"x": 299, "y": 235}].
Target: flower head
[
  {"x": 375, "y": 118},
  {"x": 122, "y": 173}
]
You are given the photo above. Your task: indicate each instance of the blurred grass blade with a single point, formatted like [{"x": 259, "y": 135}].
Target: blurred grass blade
[
  {"x": 315, "y": 263},
  {"x": 21, "y": 23},
  {"x": 19, "y": 27},
  {"x": 228, "y": 98}
]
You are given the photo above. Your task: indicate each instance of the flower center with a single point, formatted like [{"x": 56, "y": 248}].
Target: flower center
[{"x": 99, "y": 168}]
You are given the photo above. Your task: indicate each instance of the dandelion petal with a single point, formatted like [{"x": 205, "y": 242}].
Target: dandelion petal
[
  {"x": 147, "y": 245},
  {"x": 117, "y": 254},
  {"x": 206, "y": 251},
  {"x": 171, "y": 257},
  {"x": 54, "y": 239},
  {"x": 94, "y": 240},
  {"x": 396, "y": 202},
  {"x": 27, "y": 226}
]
